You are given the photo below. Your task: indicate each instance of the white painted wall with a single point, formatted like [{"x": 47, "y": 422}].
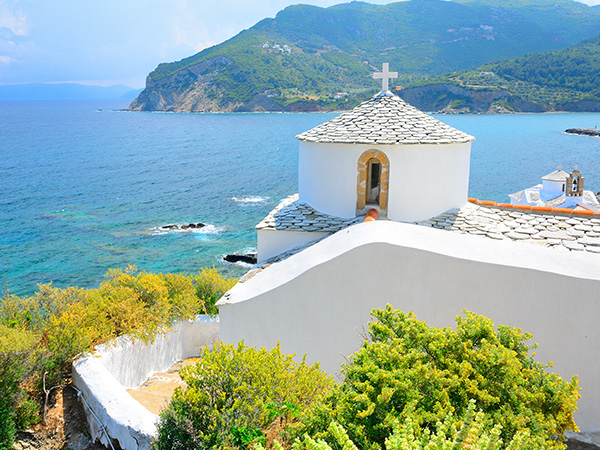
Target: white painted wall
[
  {"x": 318, "y": 301},
  {"x": 103, "y": 379},
  {"x": 327, "y": 175},
  {"x": 553, "y": 187},
  {"x": 424, "y": 180},
  {"x": 271, "y": 243}
]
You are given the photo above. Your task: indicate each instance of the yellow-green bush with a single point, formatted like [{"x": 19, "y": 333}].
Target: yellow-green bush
[
  {"x": 473, "y": 432},
  {"x": 235, "y": 395},
  {"x": 57, "y": 324},
  {"x": 210, "y": 286},
  {"x": 17, "y": 355},
  {"x": 410, "y": 370}
]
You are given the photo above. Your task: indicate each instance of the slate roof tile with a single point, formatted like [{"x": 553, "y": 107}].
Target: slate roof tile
[
  {"x": 291, "y": 214},
  {"x": 385, "y": 119}
]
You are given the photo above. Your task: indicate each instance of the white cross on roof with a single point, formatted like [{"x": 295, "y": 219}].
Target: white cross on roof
[{"x": 385, "y": 76}]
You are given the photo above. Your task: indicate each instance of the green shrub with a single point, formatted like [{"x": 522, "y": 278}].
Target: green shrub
[
  {"x": 236, "y": 396},
  {"x": 58, "y": 324},
  {"x": 210, "y": 287},
  {"x": 15, "y": 365},
  {"x": 409, "y": 369},
  {"x": 472, "y": 432}
]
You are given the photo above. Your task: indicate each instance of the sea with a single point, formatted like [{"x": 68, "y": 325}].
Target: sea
[{"x": 86, "y": 186}]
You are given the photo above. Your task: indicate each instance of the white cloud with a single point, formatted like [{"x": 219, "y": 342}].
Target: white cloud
[
  {"x": 5, "y": 59},
  {"x": 14, "y": 20}
]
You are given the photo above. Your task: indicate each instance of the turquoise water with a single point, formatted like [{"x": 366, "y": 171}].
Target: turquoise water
[{"x": 84, "y": 187}]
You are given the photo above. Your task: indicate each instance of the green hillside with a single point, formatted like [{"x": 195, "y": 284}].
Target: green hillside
[
  {"x": 567, "y": 79},
  {"x": 331, "y": 52},
  {"x": 576, "y": 68}
]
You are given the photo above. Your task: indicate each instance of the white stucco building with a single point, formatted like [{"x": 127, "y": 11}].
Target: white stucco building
[
  {"x": 384, "y": 155},
  {"x": 558, "y": 190},
  {"x": 316, "y": 299}
]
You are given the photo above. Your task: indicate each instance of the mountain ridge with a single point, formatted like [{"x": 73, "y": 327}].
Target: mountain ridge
[{"x": 313, "y": 58}]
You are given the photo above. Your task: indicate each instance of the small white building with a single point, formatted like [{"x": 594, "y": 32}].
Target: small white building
[
  {"x": 558, "y": 190},
  {"x": 384, "y": 155}
]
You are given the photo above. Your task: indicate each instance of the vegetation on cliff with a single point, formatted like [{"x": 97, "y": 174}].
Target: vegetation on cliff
[
  {"x": 311, "y": 58},
  {"x": 567, "y": 79},
  {"x": 40, "y": 335}
]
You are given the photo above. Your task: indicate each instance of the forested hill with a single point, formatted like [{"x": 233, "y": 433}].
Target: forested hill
[
  {"x": 312, "y": 58},
  {"x": 563, "y": 80}
]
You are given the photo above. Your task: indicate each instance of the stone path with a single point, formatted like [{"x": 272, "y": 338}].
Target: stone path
[
  {"x": 156, "y": 392},
  {"x": 549, "y": 230}
]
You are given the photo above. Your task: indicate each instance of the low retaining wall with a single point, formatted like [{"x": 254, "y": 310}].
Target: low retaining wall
[{"x": 104, "y": 377}]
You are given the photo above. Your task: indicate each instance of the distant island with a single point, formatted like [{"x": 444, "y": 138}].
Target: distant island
[
  {"x": 452, "y": 56},
  {"x": 65, "y": 91}
]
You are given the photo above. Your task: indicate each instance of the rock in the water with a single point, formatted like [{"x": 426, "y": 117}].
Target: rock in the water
[
  {"x": 248, "y": 258},
  {"x": 584, "y": 131},
  {"x": 183, "y": 227}
]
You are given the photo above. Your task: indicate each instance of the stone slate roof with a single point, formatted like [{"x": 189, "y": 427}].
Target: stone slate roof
[
  {"x": 557, "y": 175},
  {"x": 292, "y": 215},
  {"x": 385, "y": 119},
  {"x": 573, "y": 233}
]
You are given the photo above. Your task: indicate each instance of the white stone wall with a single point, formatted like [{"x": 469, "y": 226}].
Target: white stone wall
[
  {"x": 318, "y": 301},
  {"x": 271, "y": 243},
  {"x": 103, "y": 379},
  {"x": 424, "y": 180}
]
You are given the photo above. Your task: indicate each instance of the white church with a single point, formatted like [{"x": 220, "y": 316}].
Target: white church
[
  {"x": 558, "y": 189},
  {"x": 384, "y": 155},
  {"x": 432, "y": 251},
  {"x": 325, "y": 264}
]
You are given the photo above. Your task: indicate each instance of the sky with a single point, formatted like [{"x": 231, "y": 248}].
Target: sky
[{"x": 105, "y": 42}]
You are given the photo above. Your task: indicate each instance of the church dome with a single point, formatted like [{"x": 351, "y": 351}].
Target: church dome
[
  {"x": 556, "y": 176},
  {"x": 385, "y": 120}
]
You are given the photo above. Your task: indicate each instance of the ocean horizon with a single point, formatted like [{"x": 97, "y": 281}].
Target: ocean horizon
[{"x": 87, "y": 186}]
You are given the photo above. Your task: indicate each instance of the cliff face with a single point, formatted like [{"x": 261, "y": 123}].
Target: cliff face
[
  {"x": 187, "y": 90},
  {"x": 190, "y": 90},
  {"x": 193, "y": 90},
  {"x": 449, "y": 98}
]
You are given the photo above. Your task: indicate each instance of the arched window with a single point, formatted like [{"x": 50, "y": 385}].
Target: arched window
[{"x": 372, "y": 181}]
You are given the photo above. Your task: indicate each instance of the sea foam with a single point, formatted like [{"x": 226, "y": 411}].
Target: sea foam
[{"x": 254, "y": 199}]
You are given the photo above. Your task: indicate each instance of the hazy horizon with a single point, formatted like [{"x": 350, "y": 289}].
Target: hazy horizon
[{"x": 113, "y": 42}]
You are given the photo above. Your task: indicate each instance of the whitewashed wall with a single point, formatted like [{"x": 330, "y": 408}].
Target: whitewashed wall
[
  {"x": 424, "y": 180},
  {"x": 271, "y": 243},
  {"x": 318, "y": 302},
  {"x": 103, "y": 379}
]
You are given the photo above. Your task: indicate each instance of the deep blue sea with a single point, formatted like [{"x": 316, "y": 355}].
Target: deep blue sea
[{"x": 85, "y": 187}]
